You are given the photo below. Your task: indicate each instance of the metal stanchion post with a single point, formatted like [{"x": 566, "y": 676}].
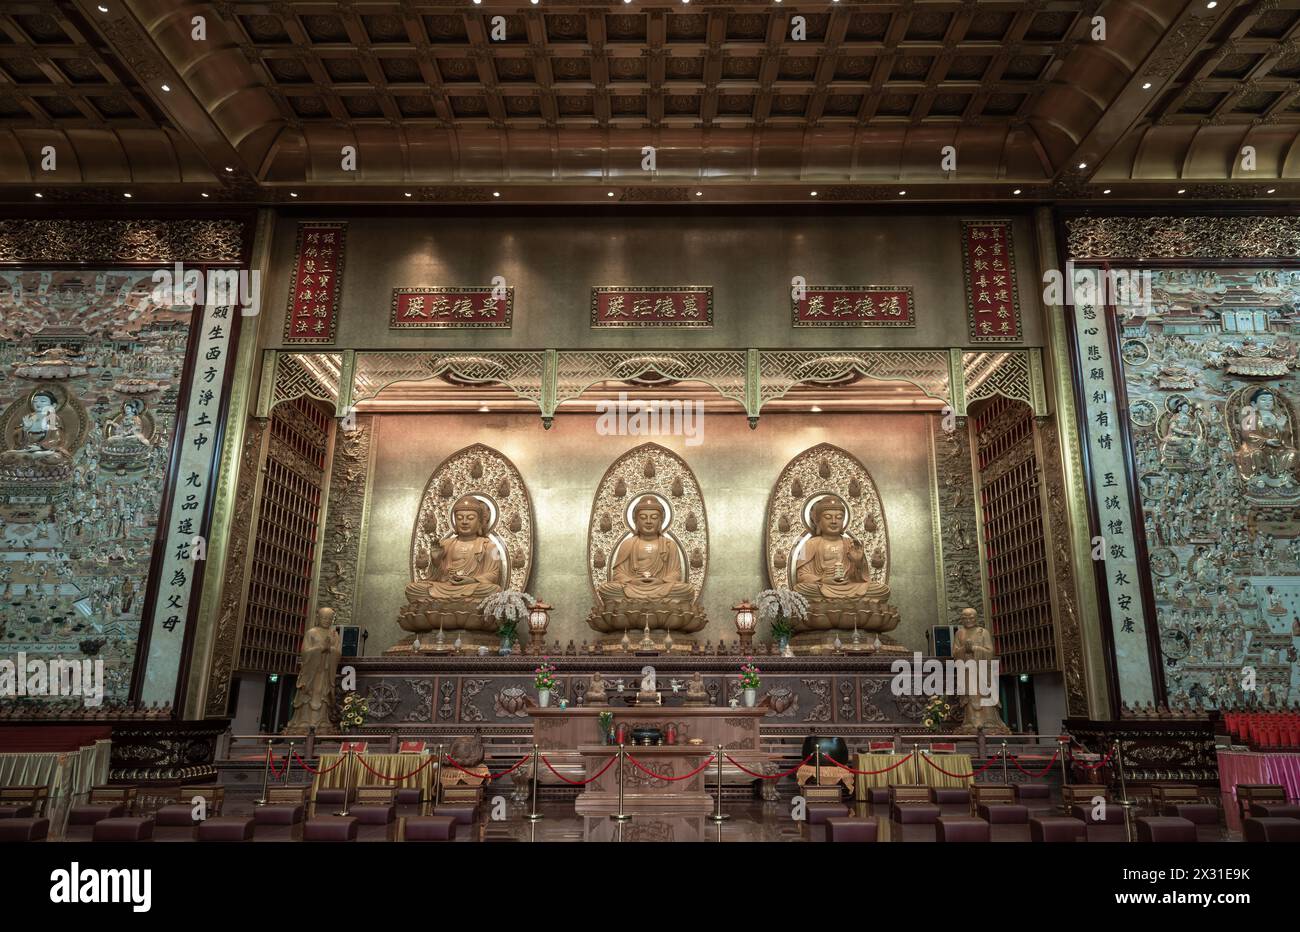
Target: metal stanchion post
[
  {"x": 717, "y": 815},
  {"x": 1064, "y": 745},
  {"x": 437, "y": 782},
  {"x": 266, "y": 775},
  {"x": 288, "y": 762},
  {"x": 1005, "y": 777},
  {"x": 347, "y": 780},
  {"x": 620, "y": 817},
  {"x": 534, "y": 815},
  {"x": 1123, "y": 792}
]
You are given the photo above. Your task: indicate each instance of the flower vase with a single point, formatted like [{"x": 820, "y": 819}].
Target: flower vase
[
  {"x": 783, "y": 645},
  {"x": 504, "y": 650},
  {"x": 543, "y": 697},
  {"x": 750, "y": 697}
]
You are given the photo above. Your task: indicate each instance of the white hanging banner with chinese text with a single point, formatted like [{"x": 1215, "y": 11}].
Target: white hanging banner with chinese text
[
  {"x": 184, "y": 546},
  {"x": 1101, "y": 432}
]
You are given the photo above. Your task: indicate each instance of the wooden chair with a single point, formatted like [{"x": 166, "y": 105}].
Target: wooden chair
[
  {"x": 214, "y": 796},
  {"x": 37, "y": 797},
  {"x": 1082, "y": 794},
  {"x": 1248, "y": 793},
  {"x": 992, "y": 794}
]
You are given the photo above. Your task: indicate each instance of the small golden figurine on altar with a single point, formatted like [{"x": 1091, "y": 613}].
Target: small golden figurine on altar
[
  {"x": 596, "y": 691},
  {"x": 313, "y": 698},
  {"x": 973, "y": 642}
]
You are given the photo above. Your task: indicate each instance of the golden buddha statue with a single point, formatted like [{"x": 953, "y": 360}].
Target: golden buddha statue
[
  {"x": 462, "y": 569},
  {"x": 833, "y": 571},
  {"x": 1267, "y": 454},
  {"x": 647, "y": 566},
  {"x": 833, "y": 565},
  {"x": 646, "y": 585}
]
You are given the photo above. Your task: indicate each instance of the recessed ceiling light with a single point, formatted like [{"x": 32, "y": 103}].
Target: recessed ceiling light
[
  {"x": 203, "y": 194},
  {"x": 1107, "y": 191},
  {"x": 534, "y": 2},
  {"x": 699, "y": 194},
  {"x": 1270, "y": 191},
  {"x": 609, "y": 194},
  {"x": 406, "y": 194},
  {"x": 1182, "y": 190},
  {"x": 815, "y": 409},
  {"x": 167, "y": 88},
  {"x": 1016, "y": 191},
  {"x": 1083, "y": 165},
  {"x": 229, "y": 169},
  {"x": 477, "y": 2},
  {"x": 126, "y": 194},
  {"x": 484, "y": 409},
  {"x": 901, "y": 193},
  {"x": 39, "y": 194},
  {"x": 102, "y": 8},
  {"x": 812, "y": 193},
  {"x": 1211, "y": 5},
  {"x": 293, "y": 193},
  {"x": 496, "y": 193},
  {"x": 1146, "y": 86}
]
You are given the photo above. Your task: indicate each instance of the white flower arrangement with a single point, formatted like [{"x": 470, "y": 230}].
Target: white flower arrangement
[
  {"x": 510, "y": 605},
  {"x": 781, "y": 603}
]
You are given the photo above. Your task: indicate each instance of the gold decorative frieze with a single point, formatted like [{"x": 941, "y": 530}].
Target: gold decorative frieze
[
  {"x": 344, "y": 519},
  {"x": 106, "y": 241},
  {"x": 1225, "y": 237},
  {"x": 723, "y": 370},
  {"x": 519, "y": 371},
  {"x": 782, "y": 370}
]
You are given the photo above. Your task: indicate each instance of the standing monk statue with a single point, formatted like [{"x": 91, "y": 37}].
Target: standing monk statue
[{"x": 313, "y": 698}]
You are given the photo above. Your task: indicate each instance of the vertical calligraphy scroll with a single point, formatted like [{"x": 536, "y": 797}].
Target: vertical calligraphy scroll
[
  {"x": 1113, "y": 540},
  {"x": 183, "y": 537},
  {"x": 317, "y": 283},
  {"x": 988, "y": 265}
]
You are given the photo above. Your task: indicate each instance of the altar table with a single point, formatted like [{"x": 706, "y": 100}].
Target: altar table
[
  {"x": 907, "y": 773},
  {"x": 1255, "y": 767},
  {"x": 642, "y": 793}
]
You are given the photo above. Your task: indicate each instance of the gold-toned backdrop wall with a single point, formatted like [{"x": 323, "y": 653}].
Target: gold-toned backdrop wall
[
  {"x": 735, "y": 466},
  {"x": 552, "y": 263}
]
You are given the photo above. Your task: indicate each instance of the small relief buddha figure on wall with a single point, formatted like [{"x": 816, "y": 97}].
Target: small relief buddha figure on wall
[
  {"x": 648, "y": 565},
  {"x": 465, "y": 567},
  {"x": 1267, "y": 453},
  {"x": 831, "y": 564}
]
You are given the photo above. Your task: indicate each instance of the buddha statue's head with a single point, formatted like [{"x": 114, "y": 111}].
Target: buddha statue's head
[
  {"x": 828, "y": 515},
  {"x": 469, "y": 517},
  {"x": 1264, "y": 402},
  {"x": 324, "y": 617},
  {"x": 969, "y": 618},
  {"x": 648, "y": 516}
]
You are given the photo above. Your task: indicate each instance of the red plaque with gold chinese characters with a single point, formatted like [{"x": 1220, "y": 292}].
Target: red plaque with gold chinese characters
[
  {"x": 667, "y": 306},
  {"x": 853, "y": 306},
  {"x": 313, "y": 312},
  {"x": 989, "y": 267},
  {"x": 485, "y": 308}
]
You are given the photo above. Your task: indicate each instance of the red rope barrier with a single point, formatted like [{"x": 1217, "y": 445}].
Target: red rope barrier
[
  {"x": 384, "y": 776},
  {"x": 1041, "y": 773},
  {"x": 608, "y": 764},
  {"x": 869, "y": 773},
  {"x": 764, "y": 776},
  {"x": 659, "y": 776},
  {"x": 960, "y": 776},
  {"x": 1097, "y": 766},
  {"x": 307, "y": 767},
  {"x": 451, "y": 760},
  {"x": 270, "y": 763},
  {"x": 511, "y": 769}
]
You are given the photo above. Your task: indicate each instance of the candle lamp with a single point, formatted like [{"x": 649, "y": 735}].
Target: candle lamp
[{"x": 745, "y": 623}]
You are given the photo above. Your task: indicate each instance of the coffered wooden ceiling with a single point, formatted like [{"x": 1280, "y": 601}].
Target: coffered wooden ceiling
[{"x": 554, "y": 102}]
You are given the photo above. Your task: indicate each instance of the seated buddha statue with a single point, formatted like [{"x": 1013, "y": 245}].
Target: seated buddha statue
[
  {"x": 38, "y": 449},
  {"x": 1267, "y": 455},
  {"x": 833, "y": 565},
  {"x": 647, "y": 583},
  {"x": 462, "y": 569},
  {"x": 647, "y": 566},
  {"x": 833, "y": 572}
]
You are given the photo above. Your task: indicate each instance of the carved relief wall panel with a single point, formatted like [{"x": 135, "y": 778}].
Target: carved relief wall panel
[
  {"x": 1213, "y": 398},
  {"x": 90, "y": 375},
  {"x": 344, "y": 519},
  {"x": 960, "y": 584}
]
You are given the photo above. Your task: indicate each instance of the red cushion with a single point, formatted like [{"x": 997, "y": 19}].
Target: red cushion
[
  {"x": 330, "y": 828},
  {"x": 24, "y": 829},
  {"x": 125, "y": 829}
]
